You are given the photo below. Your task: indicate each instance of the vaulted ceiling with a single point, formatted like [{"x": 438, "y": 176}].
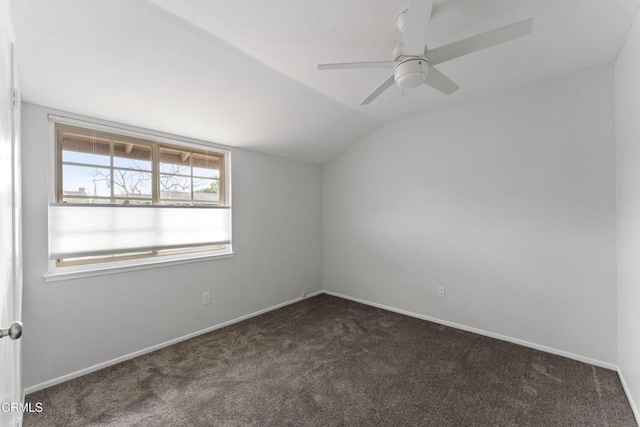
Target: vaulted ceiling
[{"x": 243, "y": 72}]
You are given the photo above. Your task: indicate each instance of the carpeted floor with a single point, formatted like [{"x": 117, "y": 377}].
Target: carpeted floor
[{"x": 326, "y": 361}]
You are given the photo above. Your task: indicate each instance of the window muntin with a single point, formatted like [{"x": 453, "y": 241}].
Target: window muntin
[{"x": 98, "y": 167}]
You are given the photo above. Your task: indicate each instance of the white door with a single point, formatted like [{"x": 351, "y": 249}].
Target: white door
[{"x": 11, "y": 393}]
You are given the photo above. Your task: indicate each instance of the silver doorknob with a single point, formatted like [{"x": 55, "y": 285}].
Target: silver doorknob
[{"x": 14, "y": 331}]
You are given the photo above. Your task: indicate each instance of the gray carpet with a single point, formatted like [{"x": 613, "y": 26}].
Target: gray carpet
[{"x": 326, "y": 361}]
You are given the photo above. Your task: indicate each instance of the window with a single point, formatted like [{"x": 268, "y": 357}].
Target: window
[
  {"x": 101, "y": 167},
  {"x": 122, "y": 197}
]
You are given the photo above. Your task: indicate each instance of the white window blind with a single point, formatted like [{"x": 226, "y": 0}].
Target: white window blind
[{"x": 79, "y": 230}]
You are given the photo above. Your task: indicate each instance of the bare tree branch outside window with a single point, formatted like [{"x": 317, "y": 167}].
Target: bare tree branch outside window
[
  {"x": 126, "y": 183},
  {"x": 175, "y": 184}
]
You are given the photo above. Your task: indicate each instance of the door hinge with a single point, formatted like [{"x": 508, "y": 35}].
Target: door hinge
[{"x": 15, "y": 99}]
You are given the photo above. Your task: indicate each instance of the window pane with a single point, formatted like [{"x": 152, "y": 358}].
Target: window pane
[
  {"x": 206, "y": 190},
  {"x": 175, "y": 169},
  {"x": 175, "y": 187},
  {"x": 206, "y": 166},
  {"x": 84, "y": 149},
  {"x": 175, "y": 162},
  {"x": 127, "y": 183},
  {"x": 105, "y": 258},
  {"x": 85, "y": 181},
  {"x": 131, "y": 156}
]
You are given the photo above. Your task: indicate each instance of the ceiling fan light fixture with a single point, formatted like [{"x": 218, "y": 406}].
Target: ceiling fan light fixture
[
  {"x": 413, "y": 63},
  {"x": 411, "y": 73}
]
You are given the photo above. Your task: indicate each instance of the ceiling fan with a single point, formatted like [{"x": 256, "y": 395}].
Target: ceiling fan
[{"x": 414, "y": 63}]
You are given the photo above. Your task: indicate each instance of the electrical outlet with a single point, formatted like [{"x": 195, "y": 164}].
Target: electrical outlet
[
  {"x": 441, "y": 292},
  {"x": 206, "y": 298}
]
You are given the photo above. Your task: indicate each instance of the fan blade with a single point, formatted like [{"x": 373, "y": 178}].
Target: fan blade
[
  {"x": 439, "y": 81},
  {"x": 357, "y": 65},
  {"x": 415, "y": 33},
  {"x": 377, "y": 91},
  {"x": 481, "y": 41}
]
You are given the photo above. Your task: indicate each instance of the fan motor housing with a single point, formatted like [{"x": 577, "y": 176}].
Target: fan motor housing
[{"x": 411, "y": 73}]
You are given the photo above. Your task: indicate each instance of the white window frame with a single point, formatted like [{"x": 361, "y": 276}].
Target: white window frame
[{"x": 60, "y": 273}]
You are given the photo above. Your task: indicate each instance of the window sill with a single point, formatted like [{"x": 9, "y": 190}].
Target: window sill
[{"x": 71, "y": 273}]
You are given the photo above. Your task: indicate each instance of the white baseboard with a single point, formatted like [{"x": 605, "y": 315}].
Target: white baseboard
[
  {"x": 634, "y": 408},
  {"x": 540, "y": 347},
  {"x": 97, "y": 367}
]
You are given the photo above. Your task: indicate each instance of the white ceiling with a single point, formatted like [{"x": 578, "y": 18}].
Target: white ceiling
[{"x": 243, "y": 72}]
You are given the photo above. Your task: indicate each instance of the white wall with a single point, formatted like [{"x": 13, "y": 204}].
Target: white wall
[
  {"x": 509, "y": 202},
  {"x": 79, "y": 323},
  {"x": 627, "y": 119}
]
